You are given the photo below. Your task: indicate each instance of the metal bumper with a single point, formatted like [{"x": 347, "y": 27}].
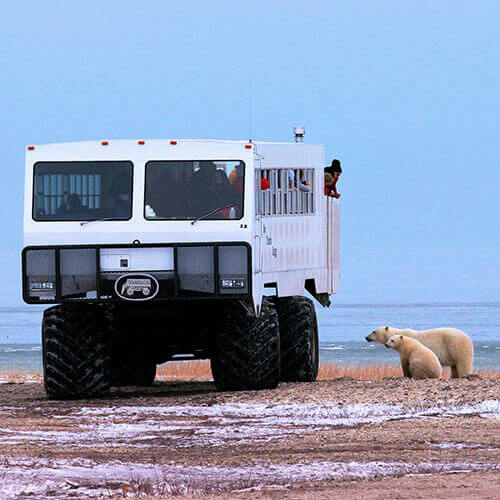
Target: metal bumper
[{"x": 136, "y": 273}]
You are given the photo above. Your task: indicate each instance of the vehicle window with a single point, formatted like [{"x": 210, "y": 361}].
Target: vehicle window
[
  {"x": 185, "y": 190},
  {"x": 83, "y": 190},
  {"x": 285, "y": 191}
]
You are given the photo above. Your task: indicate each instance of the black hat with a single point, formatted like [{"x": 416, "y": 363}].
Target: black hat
[{"x": 334, "y": 167}]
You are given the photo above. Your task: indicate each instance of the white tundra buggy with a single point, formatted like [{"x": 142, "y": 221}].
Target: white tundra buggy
[{"x": 157, "y": 250}]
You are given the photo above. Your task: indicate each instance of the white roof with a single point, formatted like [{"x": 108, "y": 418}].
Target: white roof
[
  {"x": 285, "y": 153},
  {"x": 163, "y": 141}
]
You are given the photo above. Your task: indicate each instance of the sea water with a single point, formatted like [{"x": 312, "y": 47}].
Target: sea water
[{"x": 342, "y": 327}]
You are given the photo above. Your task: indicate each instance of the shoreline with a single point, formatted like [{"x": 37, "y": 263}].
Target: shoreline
[
  {"x": 27, "y": 358},
  {"x": 199, "y": 371}
]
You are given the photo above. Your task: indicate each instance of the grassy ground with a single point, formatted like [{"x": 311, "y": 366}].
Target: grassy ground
[{"x": 200, "y": 371}]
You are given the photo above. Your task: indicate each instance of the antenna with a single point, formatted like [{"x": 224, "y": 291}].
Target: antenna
[{"x": 250, "y": 108}]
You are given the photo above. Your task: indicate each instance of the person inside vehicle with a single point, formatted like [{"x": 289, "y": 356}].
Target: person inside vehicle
[
  {"x": 168, "y": 198},
  {"x": 203, "y": 188},
  {"x": 264, "y": 184},
  {"x": 204, "y": 177},
  {"x": 72, "y": 206},
  {"x": 119, "y": 194},
  {"x": 224, "y": 194},
  {"x": 236, "y": 178},
  {"x": 304, "y": 184}
]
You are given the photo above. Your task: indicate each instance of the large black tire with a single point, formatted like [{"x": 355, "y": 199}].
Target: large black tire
[
  {"x": 298, "y": 339},
  {"x": 246, "y": 349},
  {"x": 75, "y": 341}
]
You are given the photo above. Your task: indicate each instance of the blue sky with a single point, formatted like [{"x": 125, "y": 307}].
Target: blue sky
[{"x": 406, "y": 94}]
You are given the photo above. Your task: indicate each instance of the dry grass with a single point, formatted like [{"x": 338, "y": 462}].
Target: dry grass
[
  {"x": 372, "y": 371},
  {"x": 185, "y": 370},
  {"x": 377, "y": 371},
  {"x": 18, "y": 377},
  {"x": 199, "y": 370}
]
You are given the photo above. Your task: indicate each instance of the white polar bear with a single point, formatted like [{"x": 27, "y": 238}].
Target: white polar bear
[
  {"x": 453, "y": 347},
  {"x": 417, "y": 361}
]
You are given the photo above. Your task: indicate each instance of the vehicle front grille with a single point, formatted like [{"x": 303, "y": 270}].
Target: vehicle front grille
[{"x": 65, "y": 274}]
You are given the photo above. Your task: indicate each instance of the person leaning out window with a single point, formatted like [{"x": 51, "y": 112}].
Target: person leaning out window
[{"x": 334, "y": 170}]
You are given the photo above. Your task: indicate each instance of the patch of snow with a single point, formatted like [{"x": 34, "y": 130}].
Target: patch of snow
[
  {"x": 42, "y": 478},
  {"x": 219, "y": 424},
  {"x": 310, "y": 413},
  {"x": 459, "y": 446}
]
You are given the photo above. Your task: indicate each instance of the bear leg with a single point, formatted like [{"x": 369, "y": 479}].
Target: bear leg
[
  {"x": 454, "y": 373},
  {"x": 419, "y": 373},
  {"x": 406, "y": 369},
  {"x": 462, "y": 369}
]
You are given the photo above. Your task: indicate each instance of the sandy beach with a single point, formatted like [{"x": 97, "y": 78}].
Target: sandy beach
[{"x": 343, "y": 437}]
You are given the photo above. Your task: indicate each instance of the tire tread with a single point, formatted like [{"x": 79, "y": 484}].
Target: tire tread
[
  {"x": 298, "y": 339},
  {"x": 75, "y": 351},
  {"x": 245, "y": 352}
]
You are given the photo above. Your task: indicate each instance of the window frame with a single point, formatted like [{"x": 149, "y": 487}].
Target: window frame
[
  {"x": 193, "y": 218},
  {"x": 107, "y": 219},
  {"x": 276, "y": 202}
]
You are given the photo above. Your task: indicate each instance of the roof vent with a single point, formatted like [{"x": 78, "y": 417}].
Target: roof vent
[{"x": 299, "y": 133}]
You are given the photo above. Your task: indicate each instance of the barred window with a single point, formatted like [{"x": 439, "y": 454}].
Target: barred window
[
  {"x": 82, "y": 190},
  {"x": 285, "y": 191}
]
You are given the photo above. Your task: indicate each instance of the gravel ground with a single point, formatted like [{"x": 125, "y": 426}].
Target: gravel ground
[{"x": 349, "y": 438}]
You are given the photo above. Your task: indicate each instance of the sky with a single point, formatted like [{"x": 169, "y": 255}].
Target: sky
[{"x": 405, "y": 94}]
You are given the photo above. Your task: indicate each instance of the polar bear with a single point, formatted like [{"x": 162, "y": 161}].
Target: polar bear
[
  {"x": 416, "y": 360},
  {"x": 453, "y": 347}
]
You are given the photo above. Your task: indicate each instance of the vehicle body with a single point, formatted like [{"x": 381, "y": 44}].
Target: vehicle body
[{"x": 173, "y": 233}]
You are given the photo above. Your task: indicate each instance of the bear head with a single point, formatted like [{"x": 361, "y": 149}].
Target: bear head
[
  {"x": 394, "y": 342},
  {"x": 381, "y": 335}
]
